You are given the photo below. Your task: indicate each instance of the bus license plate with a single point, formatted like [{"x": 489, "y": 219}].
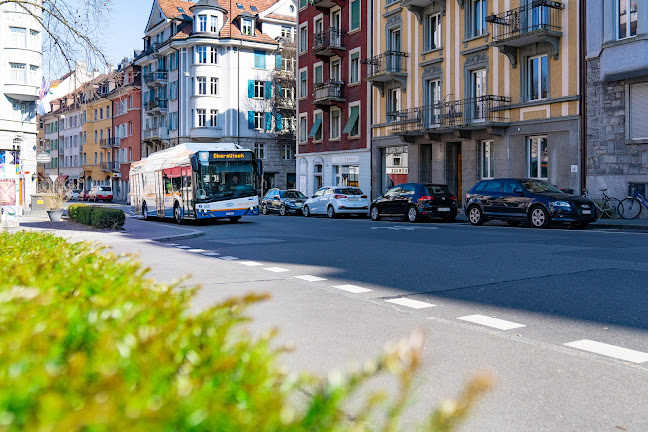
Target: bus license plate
[
  {"x": 229, "y": 214},
  {"x": 587, "y": 211},
  {"x": 444, "y": 209}
]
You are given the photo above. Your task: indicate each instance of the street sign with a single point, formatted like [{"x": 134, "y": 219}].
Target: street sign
[{"x": 43, "y": 158}]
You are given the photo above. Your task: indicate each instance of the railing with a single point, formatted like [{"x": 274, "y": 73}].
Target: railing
[
  {"x": 463, "y": 113},
  {"x": 157, "y": 103},
  {"x": 328, "y": 90},
  {"x": 539, "y": 15},
  {"x": 115, "y": 142},
  {"x": 104, "y": 143},
  {"x": 389, "y": 62},
  {"x": 332, "y": 37},
  {"x": 156, "y": 76},
  {"x": 158, "y": 132}
]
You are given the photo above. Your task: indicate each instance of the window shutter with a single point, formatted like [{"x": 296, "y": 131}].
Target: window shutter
[
  {"x": 250, "y": 119},
  {"x": 268, "y": 89},
  {"x": 256, "y": 59},
  {"x": 638, "y": 110},
  {"x": 250, "y": 88},
  {"x": 268, "y": 119},
  {"x": 279, "y": 93},
  {"x": 278, "y": 61},
  {"x": 279, "y": 122},
  {"x": 355, "y": 15}
]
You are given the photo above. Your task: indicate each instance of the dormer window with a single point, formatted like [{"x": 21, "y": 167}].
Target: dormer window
[
  {"x": 214, "y": 24},
  {"x": 254, "y": 8},
  {"x": 246, "y": 27},
  {"x": 202, "y": 23},
  {"x": 239, "y": 5}
]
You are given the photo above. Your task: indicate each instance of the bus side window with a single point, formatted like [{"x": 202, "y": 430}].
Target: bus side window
[{"x": 177, "y": 184}]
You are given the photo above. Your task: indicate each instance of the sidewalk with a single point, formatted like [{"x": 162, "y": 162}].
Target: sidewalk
[{"x": 620, "y": 224}]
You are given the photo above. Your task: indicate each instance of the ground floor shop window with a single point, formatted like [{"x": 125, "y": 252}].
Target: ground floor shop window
[
  {"x": 347, "y": 175},
  {"x": 487, "y": 159},
  {"x": 537, "y": 157},
  {"x": 291, "y": 180},
  {"x": 394, "y": 163}
]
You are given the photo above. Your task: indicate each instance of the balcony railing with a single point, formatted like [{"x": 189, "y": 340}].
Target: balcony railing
[
  {"x": 157, "y": 105},
  {"x": 328, "y": 41},
  {"x": 115, "y": 142},
  {"x": 105, "y": 143},
  {"x": 155, "y": 79},
  {"x": 472, "y": 113},
  {"x": 156, "y": 133},
  {"x": 383, "y": 66},
  {"x": 328, "y": 92},
  {"x": 113, "y": 166}
]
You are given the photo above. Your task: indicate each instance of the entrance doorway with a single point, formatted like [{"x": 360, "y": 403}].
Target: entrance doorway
[{"x": 454, "y": 176}]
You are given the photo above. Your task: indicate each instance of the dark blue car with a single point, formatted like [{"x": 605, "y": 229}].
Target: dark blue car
[{"x": 517, "y": 200}]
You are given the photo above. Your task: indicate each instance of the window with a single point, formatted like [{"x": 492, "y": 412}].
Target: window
[
  {"x": 130, "y": 128},
  {"x": 202, "y": 23},
  {"x": 354, "y": 68},
  {"x": 214, "y": 24},
  {"x": 538, "y": 78},
  {"x": 303, "y": 39},
  {"x": 487, "y": 159},
  {"x": 318, "y": 74},
  {"x": 214, "y": 86},
  {"x": 18, "y": 37},
  {"x": 335, "y": 69},
  {"x": 316, "y": 130},
  {"x": 259, "y": 150},
  {"x": 258, "y": 120},
  {"x": 174, "y": 60},
  {"x": 213, "y": 118},
  {"x": 393, "y": 104},
  {"x": 201, "y": 85},
  {"x": 303, "y": 83},
  {"x": 214, "y": 54},
  {"x": 108, "y": 111},
  {"x": 352, "y": 127},
  {"x": 303, "y": 3},
  {"x": 95, "y": 115},
  {"x": 201, "y": 54},
  {"x": 173, "y": 90},
  {"x": 477, "y": 90},
  {"x": 287, "y": 152},
  {"x": 201, "y": 115},
  {"x": 303, "y": 128},
  {"x": 433, "y": 32},
  {"x": 354, "y": 15},
  {"x": 627, "y": 18},
  {"x": 100, "y": 113},
  {"x": 34, "y": 74},
  {"x": 259, "y": 59},
  {"x": 246, "y": 27},
  {"x": 95, "y": 136},
  {"x": 537, "y": 157},
  {"x": 286, "y": 32},
  {"x": 18, "y": 72},
  {"x": 477, "y": 16},
  {"x": 173, "y": 121},
  {"x": 638, "y": 107},
  {"x": 335, "y": 123}
]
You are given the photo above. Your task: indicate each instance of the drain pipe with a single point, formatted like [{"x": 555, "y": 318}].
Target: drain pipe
[{"x": 583, "y": 92}]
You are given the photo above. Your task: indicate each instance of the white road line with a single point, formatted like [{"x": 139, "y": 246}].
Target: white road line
[
  {"x": 168, "y": 244},
  {"x": 415, "y": 304},
  {"x": 210, "y": 254},
  {"x": 352, "y": 288},
  {"x": 196, "y": 250},
  {"x": 228, "y": 258},
  {"x": 610, "y": 350},
  {"x": 276, "y": 269},
  {"x": 183, "y": 247},
  {"x": 250, "y": 263},
  {"x": 310, "y": 278},
  {"x": 491, "y": 322}
]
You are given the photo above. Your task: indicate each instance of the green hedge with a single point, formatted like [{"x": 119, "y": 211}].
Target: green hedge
[
  {"x": 100, "y": 217},
  {"x": 89, "y": 343}
]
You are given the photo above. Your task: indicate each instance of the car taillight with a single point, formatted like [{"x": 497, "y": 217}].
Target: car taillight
[
  {"x": 453, "y": 198},
  {"x": 339, "y": 196},
  {"x": 426, "y": 198},
  {"x": 363, "y": 196}
]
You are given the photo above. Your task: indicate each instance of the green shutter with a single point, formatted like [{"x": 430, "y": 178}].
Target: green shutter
[
  {"x": 279, "y": 122},
  {"x": 268, "y": 121},
  {"x": 268, "y": 89},
  {"x": 355, "y": 14},
  {"x": 250, "y": 88},
  {"x": 250, "y": 119},
  {"x": 278, "y": 61},
  {"x": 353, "y": 119},
  {"x": 315, "y": 128}
]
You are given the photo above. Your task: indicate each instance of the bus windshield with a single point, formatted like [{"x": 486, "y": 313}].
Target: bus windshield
[{"x": 221, "y": 180}]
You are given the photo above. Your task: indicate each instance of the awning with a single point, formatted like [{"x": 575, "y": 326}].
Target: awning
[
  {"x": 315, "y": 128},
  {"x": 61, "y": 178},
  {"x": 353, "y": 119}
]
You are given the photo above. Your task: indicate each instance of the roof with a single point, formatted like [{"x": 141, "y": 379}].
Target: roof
[
  {"x": 232, "y": 29},
  {"x": 171, "y": 8},
  {"x": 208, "y": 3},
  {"x": 282, "y": 17}
]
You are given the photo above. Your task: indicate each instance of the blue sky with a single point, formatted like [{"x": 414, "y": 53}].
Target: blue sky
[{"x": 124, "y": 32}]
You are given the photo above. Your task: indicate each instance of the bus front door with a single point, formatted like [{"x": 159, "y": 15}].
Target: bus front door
[
  {"x": 159, "y": 194},
  {"x": 187, "y": 192}
]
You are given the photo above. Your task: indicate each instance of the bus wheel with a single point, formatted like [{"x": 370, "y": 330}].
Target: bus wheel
[
  {"x": 144, "y": 211},
  {"x": 177, "y": 213},
  {"x": 234, "y": 219}
]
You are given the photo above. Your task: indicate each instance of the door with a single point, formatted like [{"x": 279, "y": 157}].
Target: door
[
  {"x": 402, "y": 200},
  {"x": 512, "y": 203},
  {"x": 454, "y": 174},
  {"x": 335, "y": 28},
  {"x": 432, "y": 114},
  {"x": 316, "y": 201},
  {"x": 491, "y": 197},
  {"x": 478, "y": 91},
  {"x": 394, "y": 45},
  {"x": 335, "y": 70},
  {"x": 276, "y": 200},
  {"x": 326, "y": 199},
  {"x": 159, "y": 194},
  {"x": 388, "y": 206}
]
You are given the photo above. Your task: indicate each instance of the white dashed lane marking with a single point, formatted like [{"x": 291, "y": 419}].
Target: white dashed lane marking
[
  {"x": 228, "y": 258},
  {"x": 183, "y": 247},
  {"x": 250, "y": 263},
  {"x": 414, "y": 304},
  {"x": 196, "y": 250},
  {"x": 491, "y": 322},
  {"x": 168, "y": 244},
  {"x": 352, "y": 288},
  {"x": 210, "y": 254},
  {"x": 610, "y": 350},
  {"x": 310, "y": 278},
  {"x": 276, "y": 269}
]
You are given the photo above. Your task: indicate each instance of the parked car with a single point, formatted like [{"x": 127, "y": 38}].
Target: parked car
[
  {"x": 335, "y": 200},
  {"x": 518, "y": 200},
  {"x": 73, "y": 194},
  {"x": 83, "y": 195},
  {"x": 284, "y": 202},
  {"x": 416, "y": 201},
  {"x": 100, "y": 193}
]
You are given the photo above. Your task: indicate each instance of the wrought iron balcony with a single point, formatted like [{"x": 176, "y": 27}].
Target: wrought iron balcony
[
  {"x": 157, "y": 106},
  {"x": 115, "y": 142},
  {"x": 469, "y": 114},
  {"x": 328, "y": 42},
  {"x": 105, "y": 143},
  {"x": 328, "y": 92},
  {"x": 156, "y": 79},
  {"x": 537, "y": 22},
  {"x": 387, "y": 67},
  {"x": 110, "y": 166}
]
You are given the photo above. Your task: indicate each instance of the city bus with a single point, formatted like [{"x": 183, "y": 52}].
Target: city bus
[{"x": 197, "y": 181}]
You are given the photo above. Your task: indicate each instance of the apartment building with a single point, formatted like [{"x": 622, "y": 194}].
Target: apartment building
[
  {"x": 208, "y": 76},
  {"x": 50, "y": 145},
  {"x": 333, "y": 136},
  {"x": 617, "y": 96},
  {"x": 474, "y": 89}
]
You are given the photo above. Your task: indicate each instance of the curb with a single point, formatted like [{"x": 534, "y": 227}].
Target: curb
[{"x": 190, "y": 235}]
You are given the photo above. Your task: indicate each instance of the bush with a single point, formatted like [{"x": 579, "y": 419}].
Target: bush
[
  {"x": 111, "y": 350},
  {"x": 100, "y": 217}
]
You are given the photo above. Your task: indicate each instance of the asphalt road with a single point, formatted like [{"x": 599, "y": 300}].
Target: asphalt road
[{"x": 558, "y": 316}]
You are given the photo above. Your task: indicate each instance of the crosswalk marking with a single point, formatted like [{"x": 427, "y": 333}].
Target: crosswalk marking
[
  {"x": 352, "y": 288},
  {"x": 414, "y": 304},
  {"x": 276, "y": 269},
  {"x": 310, "y": 278},
  {"x": 610, "y": 350},
  {"x": 491, "y": 322},
  {"x": 167, "y": 244},
  {"x": 196, "y": 250},
  {"x": 183, "y": 247},
  {"x": 250, "y": 263},
  {"x": 210, "y": 254},
  {"x": 228, "y": 258}
]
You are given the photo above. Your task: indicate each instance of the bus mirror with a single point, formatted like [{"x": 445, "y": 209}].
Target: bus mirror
[{"x": 194, "y": 163}]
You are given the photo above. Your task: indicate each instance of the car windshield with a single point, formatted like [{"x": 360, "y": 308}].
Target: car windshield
[
  {"x": 225, "y": 180},
  {"x": 105, "y": 188},
  {"x": 348, "y": 191},
  {"x": 437, "y": 190},
  {"x": 292, "y": 194},
  {"x": 540, "y": 186}
]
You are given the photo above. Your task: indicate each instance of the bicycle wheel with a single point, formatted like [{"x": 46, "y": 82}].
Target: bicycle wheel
[
  {"x": 630, "y": 208},
  {"x": 611, "y": 208}
]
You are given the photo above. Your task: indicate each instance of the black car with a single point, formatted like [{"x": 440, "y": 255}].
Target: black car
[
  {"x": 415, "y": 201},
  {"x": 518, "y": 200},
  {"x": 284, "y": 202}
]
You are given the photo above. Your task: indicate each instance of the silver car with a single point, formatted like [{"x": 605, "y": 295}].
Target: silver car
[{"x": 336, "y": 200}]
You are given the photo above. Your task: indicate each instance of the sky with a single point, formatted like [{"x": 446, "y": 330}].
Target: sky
[{"x": 125, "y": 31}]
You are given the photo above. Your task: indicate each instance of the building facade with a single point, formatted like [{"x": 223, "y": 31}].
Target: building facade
[
  {"x": 474, "y": 89},
  {"x": 207, "y": 77},
  {"x": 333, "y": 137},
  {"x": 617, "y": 96}
]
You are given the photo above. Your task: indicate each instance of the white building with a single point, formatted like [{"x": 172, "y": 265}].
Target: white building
[
  {"x": 208, "y": 76},
  {"x": 20, "y": 81}
]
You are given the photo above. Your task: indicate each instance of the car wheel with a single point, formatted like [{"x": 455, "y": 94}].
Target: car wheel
[
  {"x": 144, "y": 212},
  {"x": 476, "y": 215},
  {"x": 264, "y": 209},
  {"x": 412, "y": 214},
  {"x": 306, "y": 211},
  {"x": 282, "y": 210},
  {"x": 539, "y": 217},
  {"x": 330, "y": 212},
  {"x": 513, "y": 223},
  {"x": 374, "y": 213},
  {"x": 234, "y": 219},
  {"x": 177, "y": 213}
]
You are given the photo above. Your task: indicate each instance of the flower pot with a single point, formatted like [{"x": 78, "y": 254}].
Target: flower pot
[{"x": 55, "y": 215}]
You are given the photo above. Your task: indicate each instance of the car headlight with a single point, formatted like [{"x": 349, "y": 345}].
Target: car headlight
[{"x": 563, "y": 204}]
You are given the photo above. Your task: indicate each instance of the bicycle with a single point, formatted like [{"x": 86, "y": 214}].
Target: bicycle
[
  {"x": 609, "y": 206},
  {"x": 630, "y": 207}
]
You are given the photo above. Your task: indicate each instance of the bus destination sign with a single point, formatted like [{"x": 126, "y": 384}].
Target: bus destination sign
[{"x": 222, "y": 156}]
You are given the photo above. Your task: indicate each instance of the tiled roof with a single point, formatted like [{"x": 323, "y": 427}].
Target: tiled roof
[
  {"x": 282, "y": 17},
  {"x": 231, "y": 29},
  {"x": 171, "y": 8}
]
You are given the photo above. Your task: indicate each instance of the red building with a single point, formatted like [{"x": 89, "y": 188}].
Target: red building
[
  {"x": 333, "y": 116},
  {"x": 127, "y": 131}
]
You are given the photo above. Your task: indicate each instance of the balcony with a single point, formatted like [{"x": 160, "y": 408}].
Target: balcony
[
  {"x": 157, "y": 106},
  {"x": 417, "y": 7},
  {"x": 22, "y": 92},
  {"x": 484, "y": 112},
  {"x": 328, "y": 92},
  {"x": 387, "y": 67},
  {"x": 156, "y": 79},
  {"x": 115, "y": 142},
  {"x": 105, "y": 143},
  {"x": 158, "y": 133},
  {"x": 535, "y": 23},
  {"x": 113, "y": 166},
  {"x": 324, "y": 4},
  {"x": 328, "y": 42}
]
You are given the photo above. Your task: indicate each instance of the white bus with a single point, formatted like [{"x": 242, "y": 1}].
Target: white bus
[{"x": 197, "y": 181}]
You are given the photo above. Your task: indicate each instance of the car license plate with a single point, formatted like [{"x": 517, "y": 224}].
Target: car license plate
[
  {"x": 444, "y": 209},
  {"x": 587, "y": 211},
  {"x": 299, "y": 204},
  {"x": 354, "y": 199}
]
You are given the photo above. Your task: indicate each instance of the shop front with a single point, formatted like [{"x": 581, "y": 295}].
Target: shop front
[{"x": 349, "y": 168}]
